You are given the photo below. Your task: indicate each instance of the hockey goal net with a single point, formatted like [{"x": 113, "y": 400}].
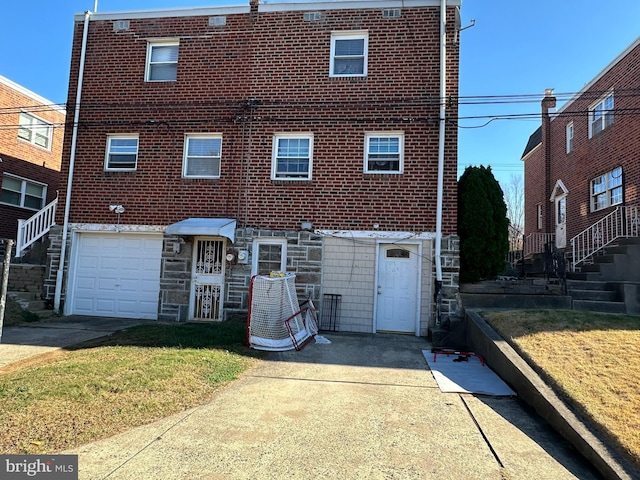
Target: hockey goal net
[{"x": 276, "y": 321}]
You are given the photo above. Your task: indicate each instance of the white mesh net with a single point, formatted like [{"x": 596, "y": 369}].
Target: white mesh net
[{"x": 276, "y": 321}]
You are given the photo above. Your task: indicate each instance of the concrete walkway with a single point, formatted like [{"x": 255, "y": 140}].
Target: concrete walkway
[{"x": 362, "y": 407}]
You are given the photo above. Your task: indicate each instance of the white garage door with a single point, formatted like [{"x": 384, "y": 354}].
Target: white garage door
[{"x": 117, "y": 275}]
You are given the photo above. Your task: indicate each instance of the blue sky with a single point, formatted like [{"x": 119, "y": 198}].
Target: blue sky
[{"x": 517, "y": 47}]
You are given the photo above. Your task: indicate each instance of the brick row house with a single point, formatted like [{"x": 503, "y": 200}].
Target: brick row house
[
  {"x": 582, "y": 170},
  {"x": 214, "y": 144},
  {"x": 31, "y": 135}
]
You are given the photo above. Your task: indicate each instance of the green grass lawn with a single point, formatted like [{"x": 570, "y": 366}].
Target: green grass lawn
[{"x": 69, "y": 397}]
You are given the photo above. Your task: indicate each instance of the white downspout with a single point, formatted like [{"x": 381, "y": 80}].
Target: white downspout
[
  {"x": 442, "y": 118},
  {"x": 443, "y": 103},
  {"x": 74, "y": 138}
]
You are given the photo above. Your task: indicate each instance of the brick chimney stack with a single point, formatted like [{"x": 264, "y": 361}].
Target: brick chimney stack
[{"x": 548, "y": 106}]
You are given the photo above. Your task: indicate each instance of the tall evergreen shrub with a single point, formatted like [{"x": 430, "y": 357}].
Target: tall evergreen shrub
[{"x": 483, "y": 225}]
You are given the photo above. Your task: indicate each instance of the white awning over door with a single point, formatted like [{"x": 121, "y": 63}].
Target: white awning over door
[{"x": 211, "y": 227}]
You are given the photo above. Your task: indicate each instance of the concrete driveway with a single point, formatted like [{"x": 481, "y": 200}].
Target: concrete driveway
[{"x": 362, "y": 407}]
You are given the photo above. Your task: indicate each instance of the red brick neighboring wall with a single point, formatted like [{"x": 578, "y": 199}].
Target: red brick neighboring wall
[
  {"x": 12, "y": 102},
  {"x": 617, "y": 145},
  {"x": 283, "y": 63},
  {"x": 24, "y": 159}
]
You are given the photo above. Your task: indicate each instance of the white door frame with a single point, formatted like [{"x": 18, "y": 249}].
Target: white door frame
[
  {"x": 418, "y": 280},
  {"x": 558, "y": 195}
]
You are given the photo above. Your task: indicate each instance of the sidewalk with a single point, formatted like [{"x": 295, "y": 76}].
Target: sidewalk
[
  {"x": 28, "y": 340},
  {"x": 362, "y": 407}
]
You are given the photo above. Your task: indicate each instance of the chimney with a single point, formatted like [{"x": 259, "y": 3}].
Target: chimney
[
  {"x": 548, "y": 106},
  {"x": 254, "y": 7}
]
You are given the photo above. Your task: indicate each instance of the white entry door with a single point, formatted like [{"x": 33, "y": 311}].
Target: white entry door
[
  {"x": 561, "y": 221},
  {"x": 207, "y": 279},
  {"x": 397, "y": 288}
]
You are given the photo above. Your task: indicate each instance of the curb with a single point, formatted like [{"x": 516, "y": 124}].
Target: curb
[{"x": 508, "y": 364}]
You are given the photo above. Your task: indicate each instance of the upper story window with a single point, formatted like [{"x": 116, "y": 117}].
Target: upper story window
[
  {"x": 384, "y": 152},
  {"x": 202, "y": 156},
  {"x": 292, "y": 156},
  {"x": 606, "y": 190},
  {"x": 162, "y": 62},
  {"x": 35, "y": 130},
  {"x": 22, "y": 192},
  {"x": 349, "y": 54},
  {"x": 570, "y": 137},
  {"x": 601, "y": 114},
  {"x": 122, "y": 152}
]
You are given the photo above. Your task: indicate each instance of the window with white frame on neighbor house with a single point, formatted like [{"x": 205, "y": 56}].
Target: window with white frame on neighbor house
[
  {"x": 384, "y": 152},
  {"x": 570, "y": 137},
  {"x": 539, "y": 216},
  {"x": 269, "y": 255},
  {"x": 162, "y": 62},
  {"x": 292, "y": 156},
  {"x": 606, "y": 190},
  {"x": 122, "y": 153},
  {"x": 35, "y": 130},
  {"x": 22, "y": 192},
  {"x": 202, "y": 156},
  {"x": 601, "y": 114},
  {"x": 349, "y": 51}
]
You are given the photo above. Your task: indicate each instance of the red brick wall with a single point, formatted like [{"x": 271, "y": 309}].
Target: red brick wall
[
  {"x": 534, "y": 191},
  {"x": 9, "y": 214},
  {"x": 12, "y": 102},
  {"x": 282, "y": 62},
  {"x": 617, "y": 145}
]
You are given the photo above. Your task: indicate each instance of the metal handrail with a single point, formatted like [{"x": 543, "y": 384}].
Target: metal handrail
[
  {"x": 623, "y": 222},
  {"x": 535, "y": 242},
  {"x": 34, "y": 228}
]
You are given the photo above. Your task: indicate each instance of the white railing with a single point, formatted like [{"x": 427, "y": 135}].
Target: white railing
[
  {"x": 535, "y": 242},
  {"x": 35, "y": 227},
  {"x": 623, "y": 222}
]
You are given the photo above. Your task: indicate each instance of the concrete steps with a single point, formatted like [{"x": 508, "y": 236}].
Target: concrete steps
[{"x": 31, "y": 302}]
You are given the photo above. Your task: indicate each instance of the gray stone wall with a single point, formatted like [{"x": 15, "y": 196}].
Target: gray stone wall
[
  {"x": 304, "y": 258},
  {"x": 450, "y": 255},
  {"x": 175, "y": 279}
]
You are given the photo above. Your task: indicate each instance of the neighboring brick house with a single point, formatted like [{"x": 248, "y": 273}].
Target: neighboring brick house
[
  {"x": 31, "y": 134},
  {"x": 218, "y": 143},
  {"x": 582, "y": 164}
]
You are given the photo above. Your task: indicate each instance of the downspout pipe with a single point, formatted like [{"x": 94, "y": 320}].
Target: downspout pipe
[
  {"x": 72, "y": 158},
  {"x": 441, "y": 137}
]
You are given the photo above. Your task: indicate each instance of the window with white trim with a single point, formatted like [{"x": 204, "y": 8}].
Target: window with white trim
[
  {"x": 606, "y": 190},
  {"x": 292, "y": 156},
  {"x": 570, "y": 137},
  {"x": 22, "y": 192},
  {"x": 539, "y": 216},
  {"x": 601, "y": 114},
  {"x": 384, "y": 152},
  {"x": 202, "y": 156},
  {"x": 34, "y": 130},
  {"x": 162, "y": 62},
  {"x": 269, "y": 255},
  {"x": 349, "y": 51},
  {"x": 122, "y": 153}
]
